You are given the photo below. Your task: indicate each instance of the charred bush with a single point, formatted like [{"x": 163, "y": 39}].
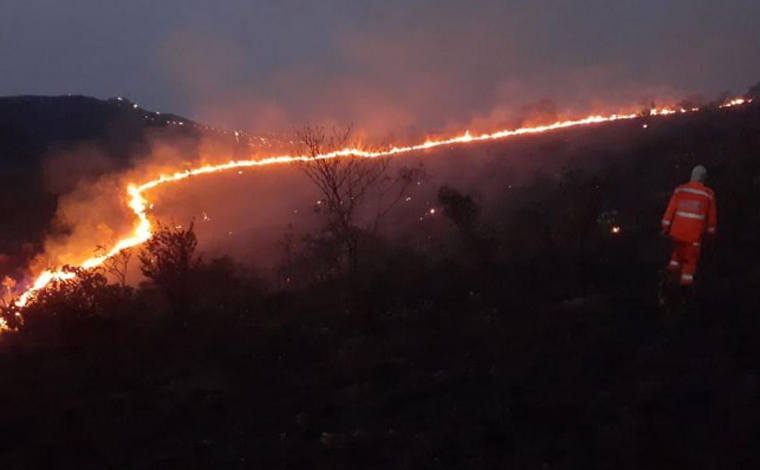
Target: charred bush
[
  {"x": 461, "y": 209},
  {"x": 464, "y": 213},
  {"x": 346, "y": 185}
]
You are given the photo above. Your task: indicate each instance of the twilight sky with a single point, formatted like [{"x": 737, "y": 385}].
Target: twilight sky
[{"x": 387, "y": 66}]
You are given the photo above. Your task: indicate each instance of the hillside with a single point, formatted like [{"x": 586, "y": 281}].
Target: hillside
[
  {"x": 115, "y": 133},
  {"x": 516, "y": 330}
]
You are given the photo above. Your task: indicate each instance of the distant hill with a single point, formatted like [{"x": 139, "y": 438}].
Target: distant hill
[{"x": 30, "y": 125}]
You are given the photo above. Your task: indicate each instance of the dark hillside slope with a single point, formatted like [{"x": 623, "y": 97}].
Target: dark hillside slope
[
  {"x": 31, "y": 125},
  {"x": 32, "y": 128},
  {"x": 532, "y": 341}
]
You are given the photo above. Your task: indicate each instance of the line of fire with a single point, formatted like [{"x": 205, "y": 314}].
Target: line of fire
[{"x": 139, "y": 203}]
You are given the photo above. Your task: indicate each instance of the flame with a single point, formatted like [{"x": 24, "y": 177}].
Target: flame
[
  {"x": 139, "y": 204},
  {"x": 735, "y": 102}
]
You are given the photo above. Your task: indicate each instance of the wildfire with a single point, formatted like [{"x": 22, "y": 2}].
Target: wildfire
[
  {"x": 736, "y": 102},
  {"x": 139, "y": 204}
]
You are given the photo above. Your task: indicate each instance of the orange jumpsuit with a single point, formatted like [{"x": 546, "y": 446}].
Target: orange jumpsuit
[{"x": 690, "y": 214}]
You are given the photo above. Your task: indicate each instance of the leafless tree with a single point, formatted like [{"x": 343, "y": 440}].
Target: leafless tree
[
  {"x": 391, "y": 190},
  {"x": 116, "y": 265},
  {"x": 344, "y": 183},
  {"x": 349, "y": 182}
]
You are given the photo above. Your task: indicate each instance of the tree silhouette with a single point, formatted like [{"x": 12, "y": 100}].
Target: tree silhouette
[
  {"x": 117, "y": 265},
  {"x": 168, "y": 259},
  {"x": 460, "y": 209},
  {"x": 345, "y": 183}
]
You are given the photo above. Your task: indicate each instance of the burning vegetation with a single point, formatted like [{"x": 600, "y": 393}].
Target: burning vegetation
[
  {"x": 336, "y": 168},
  {"x": 505, "y": 318}
]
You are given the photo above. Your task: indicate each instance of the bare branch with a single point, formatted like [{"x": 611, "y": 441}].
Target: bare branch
[
  {"x": 344, "y": 181},
  {"x": 117, "y": 265}
]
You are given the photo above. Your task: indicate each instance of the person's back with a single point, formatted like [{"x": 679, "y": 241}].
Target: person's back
[{"x": 690, "y": 215}]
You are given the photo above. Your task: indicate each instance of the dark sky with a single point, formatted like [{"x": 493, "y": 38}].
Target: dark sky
[{"x": 386, "y": 65}]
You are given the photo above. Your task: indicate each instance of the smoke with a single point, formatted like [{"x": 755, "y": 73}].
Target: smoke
[
  {"x": 399, "y": 71},
  {"x": 245, "y": 212},
  {"x": 240, "y": 213},
  {"x": 65, "y": 169},
  {"x": 385, "y": 66},
  {"x": 93, "y": 214}
]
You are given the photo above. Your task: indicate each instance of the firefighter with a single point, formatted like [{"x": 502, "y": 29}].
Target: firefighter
[{"x": 690, "y": 215}]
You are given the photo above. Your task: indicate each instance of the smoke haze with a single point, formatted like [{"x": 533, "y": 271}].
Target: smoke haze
[
  {"x": 397, "y": 74},
  {"x": 390, "y": 70}
]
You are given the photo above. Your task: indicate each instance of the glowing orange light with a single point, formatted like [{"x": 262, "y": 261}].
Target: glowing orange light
[
  {"x": 138, "y": 203},
  {"x": 735, "y": 102}
]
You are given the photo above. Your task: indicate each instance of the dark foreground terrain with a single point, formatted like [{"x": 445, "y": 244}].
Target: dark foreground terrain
[
  {"x": 602, "y": 383},
  {"x": 534, "y": 341}
]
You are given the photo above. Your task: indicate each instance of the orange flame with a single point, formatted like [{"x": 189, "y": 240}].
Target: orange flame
[
  {"x": 138, "y": 202},
  {"x": 735, "y": 102}
]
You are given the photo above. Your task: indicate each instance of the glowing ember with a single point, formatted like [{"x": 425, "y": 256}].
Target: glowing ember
[
  {"x": 139, "y": 204},
  {"x": 616, "y": 230}
]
